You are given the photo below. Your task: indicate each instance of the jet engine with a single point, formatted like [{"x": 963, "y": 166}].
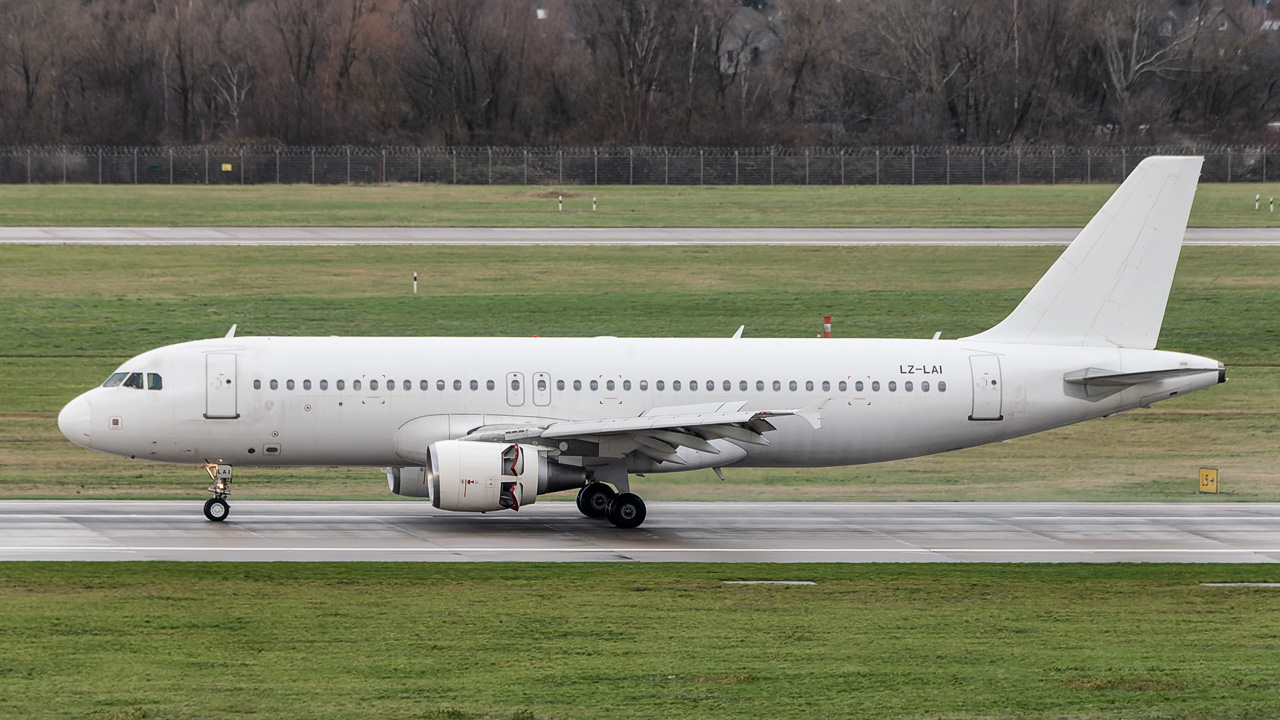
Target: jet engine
[{"x": 484, "y": 476}]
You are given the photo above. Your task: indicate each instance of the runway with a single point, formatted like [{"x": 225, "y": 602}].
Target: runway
[
  {"x": 341, "y": 236},
  {"x": 674, "y": 532}
]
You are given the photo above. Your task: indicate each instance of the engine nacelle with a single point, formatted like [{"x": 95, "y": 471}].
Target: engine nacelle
[{"x": 483, "y": 476}]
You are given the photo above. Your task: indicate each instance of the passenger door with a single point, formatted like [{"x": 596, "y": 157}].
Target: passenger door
[
  {"x": 988, "y": 393},
  {"x": 220, "y": 386}
]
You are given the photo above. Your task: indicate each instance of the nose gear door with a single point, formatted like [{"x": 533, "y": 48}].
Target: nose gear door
[{"x": 220, "y": 386}]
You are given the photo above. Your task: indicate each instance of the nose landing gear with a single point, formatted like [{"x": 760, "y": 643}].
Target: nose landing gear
[{"x": 216, "y": 508}]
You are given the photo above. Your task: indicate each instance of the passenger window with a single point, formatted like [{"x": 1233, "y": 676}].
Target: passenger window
[
  {"x": 439, "y": 384},
  {"x": 595, "y": 385},
  {"x": 875, "y": 386},
  {"x": 275, "y": 385},
  {"x": 577, "y": 384},
  {"x": 515, "y": 384},
  {"x": 759, "y": 386},
  {"x": 626, "y": 385},
  {"x": 488, "y": 385},
  {"x": 559, "y": 384},
  {"x": 341, "y": 385},
  {"x": 324, "y": 384},
  {"x": 793, "y": 386},
  {"x": 675, "y": 385},
  {"x": 608, "y": 385},
  {"x": 288, "y": 384},
  {"x": 424, "y": 385},
  {"x": 306, "y": 384},
  {"x": 475, "y": 384},
  {"x": 391, "y": 384},
  {"x": 893, "y": 386},
  {"x": 808, "y": 385},
  {"x": 711, "y": 385},
  {"x": 907, "y": 386},
  {"x": 843, "y": 386},
  {"x": 693, "y": 385},
  {"x": 644, "y": 384},
  {"x": 154, "y": 382},
  {"x": 826, "y": 386},
  {"x": 942, "y": 386},
  {"x": 115, "y": 379},
  {"x": 134, "y": 381},
  {"x": 777, "y": 386},
  {"x": 373, "y": 385},
  {"x": 660, "y": 385},
  {"x": 355, "y": 384},
  {"x": 729, "y": 386},
  {"x": 407, "y": 385},
  {"x": 457, "y": 384},
  {"x": 924, "y": 386},
  {"x": 257, "y": 384},
  {"x": 742, "y": 385}
]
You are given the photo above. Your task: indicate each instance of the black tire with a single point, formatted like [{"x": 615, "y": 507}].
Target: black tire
[
  {"x": 216, "y": 509},
  {"x": 594, "y": 500},
  {"x": 626, "y": 511}
]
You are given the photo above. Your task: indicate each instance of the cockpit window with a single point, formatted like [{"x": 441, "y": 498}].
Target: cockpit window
[
  {"x": 154, "y": 382},
  {"x": 134, "y": 381},
  {"x": 115, "y": 379}
]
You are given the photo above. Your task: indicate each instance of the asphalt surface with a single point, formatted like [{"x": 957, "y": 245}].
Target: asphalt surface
[
  {"x": 1211, "y": 532},
  {"x": 321, "y": 236}
]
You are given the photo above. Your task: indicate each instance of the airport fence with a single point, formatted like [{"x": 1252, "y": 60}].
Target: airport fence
[{"x": 218, "y": 165}]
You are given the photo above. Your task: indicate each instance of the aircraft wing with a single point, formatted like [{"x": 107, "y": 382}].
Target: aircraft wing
[{"x": 660, "y": 432}]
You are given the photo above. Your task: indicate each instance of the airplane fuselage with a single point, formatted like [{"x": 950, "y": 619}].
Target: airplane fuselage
[{"x": 341, "y": 401}]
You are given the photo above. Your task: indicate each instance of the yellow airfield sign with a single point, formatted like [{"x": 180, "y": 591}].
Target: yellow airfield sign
[{"x": 1209, "y": 480}]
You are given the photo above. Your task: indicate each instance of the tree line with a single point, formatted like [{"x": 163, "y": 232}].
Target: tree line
[{"x": 636, "y": 72}]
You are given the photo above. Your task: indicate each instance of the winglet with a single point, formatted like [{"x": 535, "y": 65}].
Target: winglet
[
  {"x": 231, "y": 333},
  {"x": 812, "y": 414},
  {"x": 739, "y": 333}
]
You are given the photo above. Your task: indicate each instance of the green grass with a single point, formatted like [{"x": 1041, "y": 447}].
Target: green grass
[
  {"x": 1216, "y": 205},
  {"x": 75, "y": 313},
  {"x": 310, "y": 640}
]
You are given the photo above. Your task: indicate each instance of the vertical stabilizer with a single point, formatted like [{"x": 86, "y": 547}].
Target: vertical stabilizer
[{"x": 1110, "y": 286}]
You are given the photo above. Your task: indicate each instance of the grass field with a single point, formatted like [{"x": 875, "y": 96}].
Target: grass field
[
  {"x": 1216, "y": 205},
  {"x": 74, "y": 313},
  {"x": 221, "y": 640}
]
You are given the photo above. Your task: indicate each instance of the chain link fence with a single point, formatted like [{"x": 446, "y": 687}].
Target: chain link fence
[{"x": 611, "y": 166}]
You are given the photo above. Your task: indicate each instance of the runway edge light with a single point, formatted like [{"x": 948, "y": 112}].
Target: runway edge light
[{"x": 1209, "y": 481}]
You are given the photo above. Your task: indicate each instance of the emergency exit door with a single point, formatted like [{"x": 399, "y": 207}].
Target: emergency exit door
[
  {"x": 515, "y": 389},
  {"x": 220, "y": 386},
  {"x": 988, "y": 390}
]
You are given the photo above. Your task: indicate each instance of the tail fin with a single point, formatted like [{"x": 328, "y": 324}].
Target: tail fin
[{"x": 1110, "y": 286}]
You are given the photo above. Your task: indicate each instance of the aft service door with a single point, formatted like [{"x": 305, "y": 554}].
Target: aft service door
[
  {"x": 515, "y": 389},
  {"x": 988, "y": 390},
  {"x": 220, "y": 386}
]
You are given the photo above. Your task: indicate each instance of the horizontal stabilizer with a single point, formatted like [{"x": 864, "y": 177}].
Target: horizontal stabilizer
[{"x": 1097, "y": 381}]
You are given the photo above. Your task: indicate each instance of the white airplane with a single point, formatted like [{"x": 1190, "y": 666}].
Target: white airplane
[{"x": 486, "y": 424}]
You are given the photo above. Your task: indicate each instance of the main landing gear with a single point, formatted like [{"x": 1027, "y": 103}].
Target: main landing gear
[
  {"x": 624, "y": 510},
  {"x": 216, "y": 507}
]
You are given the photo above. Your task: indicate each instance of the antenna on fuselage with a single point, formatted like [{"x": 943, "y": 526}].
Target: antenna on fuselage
[
  {"x": 231, "y": 333},
  {"x": 739, "y": 333}
]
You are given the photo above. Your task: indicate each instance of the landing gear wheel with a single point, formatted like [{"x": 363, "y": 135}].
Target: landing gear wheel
[
  {"x": 626, "y": 511},
  {"x": 216, "y": 509},
  {"x": 594, "y": 499}
]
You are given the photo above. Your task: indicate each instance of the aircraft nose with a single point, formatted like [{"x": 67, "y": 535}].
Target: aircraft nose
[{"x": 74, "y": 421}]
